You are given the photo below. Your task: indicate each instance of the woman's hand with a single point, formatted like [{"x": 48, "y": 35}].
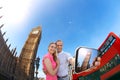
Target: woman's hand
[{"x": 58, "y": 62}]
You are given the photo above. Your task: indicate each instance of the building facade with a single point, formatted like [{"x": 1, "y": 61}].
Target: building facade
[
  {"x": 85, "y": 64},
  {"x": 22, "y": 67}
]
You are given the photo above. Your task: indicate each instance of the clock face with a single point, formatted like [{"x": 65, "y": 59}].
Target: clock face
[{"x": 35, "y": 32}]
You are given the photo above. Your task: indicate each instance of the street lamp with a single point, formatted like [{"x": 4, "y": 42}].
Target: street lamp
[{"x": 37, "y": 60}]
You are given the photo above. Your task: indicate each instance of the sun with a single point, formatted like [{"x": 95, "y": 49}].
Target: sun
[{"x": 14, "y": 11}]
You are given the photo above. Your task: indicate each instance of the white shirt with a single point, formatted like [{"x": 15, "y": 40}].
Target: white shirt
[{"x": 64, "y": 61}]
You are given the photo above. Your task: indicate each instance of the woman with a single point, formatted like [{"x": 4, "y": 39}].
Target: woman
[{"x": 51, "y": 63}]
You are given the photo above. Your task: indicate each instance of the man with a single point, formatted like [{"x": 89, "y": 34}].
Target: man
[{"x": 65, "y": 59}]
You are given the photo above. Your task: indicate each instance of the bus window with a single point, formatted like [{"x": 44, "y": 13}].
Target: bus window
[{"x": 107, "y": 45}]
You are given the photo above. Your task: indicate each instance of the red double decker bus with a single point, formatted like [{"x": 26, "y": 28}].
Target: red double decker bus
[{"x": 109, "y": 68}]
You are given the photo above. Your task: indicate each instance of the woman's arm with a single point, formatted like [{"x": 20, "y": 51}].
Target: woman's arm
[{"x": 49, "y": 67}]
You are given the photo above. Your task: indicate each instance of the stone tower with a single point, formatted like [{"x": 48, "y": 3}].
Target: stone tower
[
  {"x": 85, "y": 63},
  {"x": 25, "y": 67}
]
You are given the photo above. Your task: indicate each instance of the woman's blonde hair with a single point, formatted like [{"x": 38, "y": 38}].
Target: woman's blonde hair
[{"x": 55, "y": 53}]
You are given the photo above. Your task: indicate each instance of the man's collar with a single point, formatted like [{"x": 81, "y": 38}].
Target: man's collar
[{"x": 60, "y": 52}]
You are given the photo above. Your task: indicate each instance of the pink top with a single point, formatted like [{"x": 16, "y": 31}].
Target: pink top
[{"x": 49, "y": 76}]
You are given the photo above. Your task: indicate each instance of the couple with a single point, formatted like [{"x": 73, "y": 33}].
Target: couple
[{"x": 55, "y": 62}]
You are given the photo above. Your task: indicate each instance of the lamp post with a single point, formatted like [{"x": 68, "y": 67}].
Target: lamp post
[{"x": 37, "y": 60}]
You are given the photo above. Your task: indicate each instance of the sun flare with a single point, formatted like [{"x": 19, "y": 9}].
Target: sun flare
[{"x": 14, "y": 11}]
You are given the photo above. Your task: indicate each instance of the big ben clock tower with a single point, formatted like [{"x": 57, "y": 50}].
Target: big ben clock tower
[{"x": 28, "y": 55}]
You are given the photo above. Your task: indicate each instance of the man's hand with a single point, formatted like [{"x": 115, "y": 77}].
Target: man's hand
[{"x": 72, "y": 61}]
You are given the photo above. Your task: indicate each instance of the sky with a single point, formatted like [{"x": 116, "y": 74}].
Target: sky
[{"x": 75, "y": 22}]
